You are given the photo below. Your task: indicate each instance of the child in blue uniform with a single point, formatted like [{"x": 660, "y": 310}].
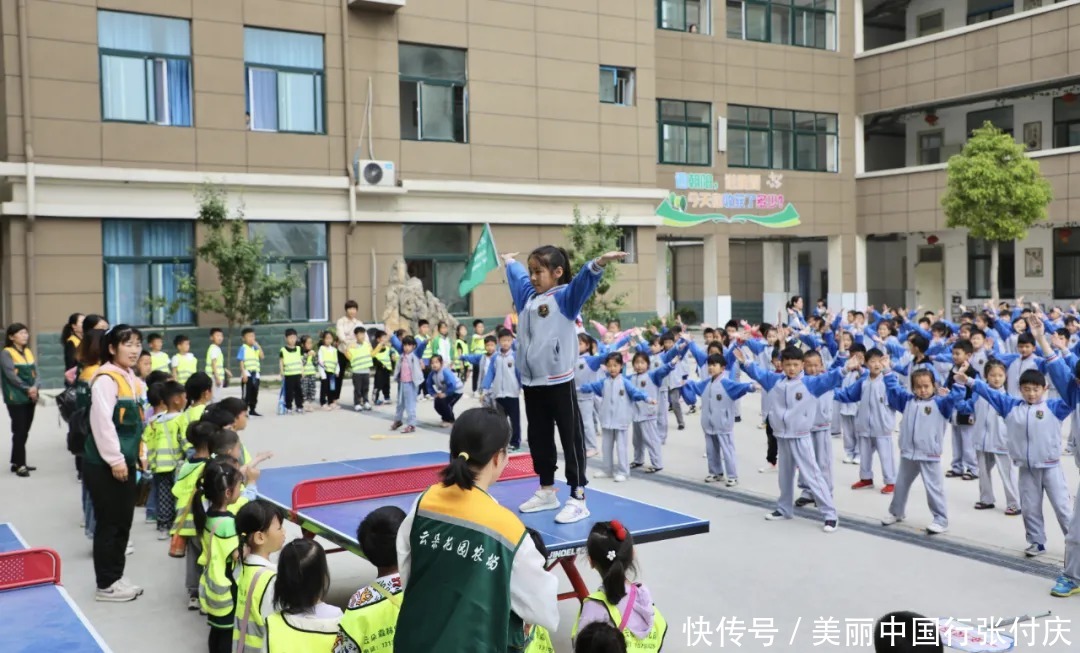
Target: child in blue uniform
[{"x": 618, "y": 395}]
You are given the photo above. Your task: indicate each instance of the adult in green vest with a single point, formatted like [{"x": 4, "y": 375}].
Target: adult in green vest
[
  {"x": 473, "y": 577},
  {"x": 19, "y": 381},
  {"x": 109, "y": 458}
]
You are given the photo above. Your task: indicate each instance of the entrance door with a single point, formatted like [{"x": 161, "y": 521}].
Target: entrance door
[{"x": 930, "y": 278}]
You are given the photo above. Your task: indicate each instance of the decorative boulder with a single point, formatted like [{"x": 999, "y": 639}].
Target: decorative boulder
[{"x": 407, "y": 303}]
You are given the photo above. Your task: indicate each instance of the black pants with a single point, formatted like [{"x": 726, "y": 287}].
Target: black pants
[
  {"x": 251, "y": 392},
  {"x": 342, "y": 369},
  {"x": 423, "y": 386},
  {"x": 22, "y": 416},
  {"x": 548, "y": 407},
  {"x": 294, "y": 393},
  {"x": 512, "y": 407},
  {"x": 382, "y": 383},
  {"x": 220, "y": 640},
  {"x": 445, "y": 407},
  {"x": 114, "y": 507},
  {"x": 770, "y": 453},
  {"x": 166, "y": 502},
  {"x": 326, "y": 394},
  {"x": 475, "y": 378},
  {"x": 360, "y": 383}
]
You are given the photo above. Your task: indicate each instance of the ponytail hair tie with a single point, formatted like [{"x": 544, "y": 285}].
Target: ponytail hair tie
[
  {"x": 618, "y": 529},
  {"x": 463, "y": 455}
]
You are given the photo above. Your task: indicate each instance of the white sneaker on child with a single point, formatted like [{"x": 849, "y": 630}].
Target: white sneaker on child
[
  {"x": 542, "y": 500},
  {"x": 889, "y": 519},
  {"x": 619, "y": 478},
  {"x": 574, "y": 511},
  {"x": 600, "y": 474},
  {"x": 130, "y": 548},
  {"x": 128, "y": 584}
]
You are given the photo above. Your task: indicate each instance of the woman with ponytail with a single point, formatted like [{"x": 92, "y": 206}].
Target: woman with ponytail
[
  {"x": 472, "y": 575},
  {"x": 626, "y": 605}
]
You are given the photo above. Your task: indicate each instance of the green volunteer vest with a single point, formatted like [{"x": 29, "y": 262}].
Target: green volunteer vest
[
  {"x": 213, "y": 353},
  {"x": 360, "y": 358},
  {"x": 476, "y": 344},
  {"x": 127, "y": 418},
  {"x": 217, "y": 595},
  {"x": 292, "y": 362},
  {"x": 458, "y": 599},
  {"x": 650, "y": 644},
  {"x": 309, "y": 363},
  {"x": 371, "y": 627},
  {"x": 250, "y": 356},
  {"x": 159, "y": 362},
  {"x": 184, "y": 491},
  {"x": 329, "y": 355},
  {"x": 82, "y": 385},
  {"x": 251, "y": 587},
  {"x": 186, "y": 365},
  {"x": 26, "y": 370},
  {"x": 539, "y": 641},
  {"x": 282, "y": 637}
]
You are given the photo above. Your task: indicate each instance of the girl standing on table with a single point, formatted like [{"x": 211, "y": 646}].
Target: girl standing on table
[
  {"x": 548, "y": 298},
  {"x": 19, "y": 380}
]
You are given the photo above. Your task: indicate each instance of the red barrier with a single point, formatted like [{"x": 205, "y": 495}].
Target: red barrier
[
  {"x": 28, "y": 567},
  {"x": 375, "y": 485}
]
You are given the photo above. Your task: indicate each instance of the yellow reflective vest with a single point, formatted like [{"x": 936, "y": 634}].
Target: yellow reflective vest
[
  {"x": 249, "y": 623},
  {"x": 186, "y": 365},
  {"x": 309, "y": 363},
  {"x": 214, "y": 353},
  {"x": 650, "y": 643},
  {"x": 250, "y": 357},
  {"x": 360, "y": 358},
  {"x": 162, "y": 440},
  {"x": 184, "y": 491},
  {"x": 328, "y": 355},
  {"x": 292, "y": 362},
  {"x": 539, "y": 641},
  {"x": 371, "y": 624},
  {"x": 159, "y": 362},
  {"x": 216, "y": 591},
  {"x": 285, "y": 637}
]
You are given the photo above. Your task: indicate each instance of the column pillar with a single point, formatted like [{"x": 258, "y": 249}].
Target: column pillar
[
  {"x": 774, "y": 281},
  {"x": 716, "y": 261},
  {"x": 847, "y": 272},
  {"x": 663, "y": 278}
]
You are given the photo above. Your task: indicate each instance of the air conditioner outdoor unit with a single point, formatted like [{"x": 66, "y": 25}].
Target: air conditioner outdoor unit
[
  {"x": 377, "y": 5},
  {"x": 375, "y": 174}
]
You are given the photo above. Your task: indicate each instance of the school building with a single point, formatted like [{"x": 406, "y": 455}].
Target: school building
[{"x": 751, "y": 149}]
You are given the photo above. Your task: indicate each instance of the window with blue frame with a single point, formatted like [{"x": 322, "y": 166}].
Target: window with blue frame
[
  {"x": 298, "y": 248},
  {"x": 145, "y": 68},
  {"x": 617, "y": 85},
  {"x": 285, "y": 79},
  {"x": 146, "y": 259}
]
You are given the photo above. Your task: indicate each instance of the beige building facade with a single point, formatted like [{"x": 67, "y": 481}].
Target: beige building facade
[{"x": 751, "y": 149}]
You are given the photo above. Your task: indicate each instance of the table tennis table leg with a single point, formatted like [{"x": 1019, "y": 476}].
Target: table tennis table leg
[{"x": 580, "y": 591}]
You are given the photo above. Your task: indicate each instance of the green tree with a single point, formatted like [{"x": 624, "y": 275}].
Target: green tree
[
  {"x": 249, "y": 291},
  {"x": 590, "y": 238},
  {"x": 995, "y": 191}
]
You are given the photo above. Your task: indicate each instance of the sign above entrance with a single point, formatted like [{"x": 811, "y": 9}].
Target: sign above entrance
[{"x": 741, "y": 192}]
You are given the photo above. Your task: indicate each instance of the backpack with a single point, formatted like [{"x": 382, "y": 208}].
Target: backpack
[
  {"x": 78, "y": 430},
  {"x": 66, "y": 403}
]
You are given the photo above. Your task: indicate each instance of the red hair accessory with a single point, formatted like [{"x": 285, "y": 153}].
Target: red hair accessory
[{"x": 618, "y": 529}]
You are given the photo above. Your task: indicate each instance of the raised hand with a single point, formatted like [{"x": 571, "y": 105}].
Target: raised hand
[
  {"x": 961, "y": 378},
  {"x": 609, "y": 257},
  {"x": 943, "y": 392},
  {"x": 739, "y": 355},
  {"x": 508, "y": 258}
]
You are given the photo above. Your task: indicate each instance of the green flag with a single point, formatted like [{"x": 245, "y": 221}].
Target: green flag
[{"x": 484, "y": 259}]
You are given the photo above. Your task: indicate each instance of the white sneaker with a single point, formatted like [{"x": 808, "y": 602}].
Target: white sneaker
[
  {"x": 936, "y": 529},
  {"x": 889, "y": 519},
  {"x": 775, "y": 515},
  {"x": 541, "y": 501},
  {"x": 193, "y": 603},
  {"x": 357, "y": 408},
  {"x": 731, "y": 482},
  {"x": 116, "y": 593},
  {"x": 767, "y": 469},
  {"x": 830, "y": 526},
  {"x": 131, "y": 586},
  {"x": 130, "y": 548},
  {"x": 592, "y": 453},
  {"x": 599, "y": 474},
  {"x": 705, "y": 455},
  {"x": 619, "y": 478},
  {"x": 574, "y": 511}
]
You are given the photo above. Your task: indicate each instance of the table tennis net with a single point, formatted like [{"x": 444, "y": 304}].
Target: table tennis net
[
  {"x": 375, "y": 485},
  {"x": 28, "y": 567}
]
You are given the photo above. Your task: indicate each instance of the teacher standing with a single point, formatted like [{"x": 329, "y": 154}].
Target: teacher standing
[
  {"x": 109, "y": 459},
  {"x": 19, "y": 380}
]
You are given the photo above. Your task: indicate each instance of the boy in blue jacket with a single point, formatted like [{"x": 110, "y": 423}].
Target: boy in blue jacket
[{"x": 502, "y": 382}]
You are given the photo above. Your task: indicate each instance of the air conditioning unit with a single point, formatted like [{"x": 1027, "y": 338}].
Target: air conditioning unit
[
  {"x": 374, "y": 174},
  {"x": 377, "y": 5}
]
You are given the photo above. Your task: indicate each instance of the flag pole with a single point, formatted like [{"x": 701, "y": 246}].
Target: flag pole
[{"x": 491, "y": 235}]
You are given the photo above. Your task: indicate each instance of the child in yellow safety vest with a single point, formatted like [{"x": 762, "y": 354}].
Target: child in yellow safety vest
[
  {"x": 385, "y": 357},
  {"x": 628, "y": 606},
  {"x": 461, "y": 347},
  {"x": 159, "y": 360},
  {"x": 476, "y": 347},
  {"x": 371, "y": 618},
  {"x": 199, "y": 390},
  {"x": 361, "y": 363},
  {"x": 216, "y": 528},
  {"x": 164, "y": 452},
  {"x": 291, "y": 366},
  {"x": 184, "y": 363},
  {"x": 309, "y": 382},
  {"x": 260, "y": 531},
  {"x": 214, "y": 365},
  {"x": 198, "y": 435},
  {"x": 328, "y": 366},
  {"x": 301, "y": 621}
]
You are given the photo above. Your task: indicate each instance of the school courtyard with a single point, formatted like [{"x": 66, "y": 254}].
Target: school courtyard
[{"x": 747, "y": 584}]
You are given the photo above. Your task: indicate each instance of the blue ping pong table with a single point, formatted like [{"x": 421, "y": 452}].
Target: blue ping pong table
[
  {"x": 41, "y": 616},
  {"x": 336, "y": 519}
]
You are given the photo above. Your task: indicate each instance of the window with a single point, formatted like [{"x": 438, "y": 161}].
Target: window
[
  {"x": 685, "y": 132},
  {"x": 437, "y": 254},
  {"x": 299, "y": 248},
  {"x": 930, "y": 23},
  {"x": 1066, "y": 263},
  {"x": 284, "y": 81},
  {"x": 1066, "y": 122},
  {"x": 1000, "y": 117},
  {"x": 782, "y": 139},
  {"x": 683, "y": 15},
  {"x": 145, "y": 68},
  {"x": 806, "y": 23},
  {"x": 146, "y": 259},
  {"x": 980, "y": 11},
  {"x": 930, "y": 144},
  {"x": 617, "y": 86},
  {"x": 979, "y": 269},
  {"x": 434, "y": 100},
  {"x": 628, "y": 243}
]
